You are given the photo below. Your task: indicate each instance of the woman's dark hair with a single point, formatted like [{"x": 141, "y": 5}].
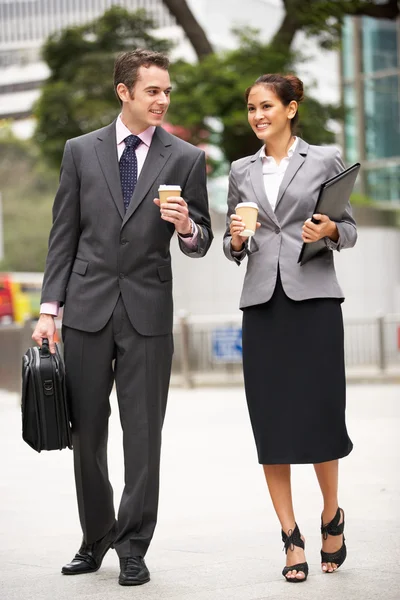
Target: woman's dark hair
[
  {"x": 127, "y": 64},
  {"x": 286, "y": 87}
]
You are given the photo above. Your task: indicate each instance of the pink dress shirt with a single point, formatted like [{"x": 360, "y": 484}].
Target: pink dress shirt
[{"x": 52, "y": 308}]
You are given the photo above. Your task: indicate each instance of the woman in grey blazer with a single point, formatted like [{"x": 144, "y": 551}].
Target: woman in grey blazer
[{"x": 293, "y": 353}]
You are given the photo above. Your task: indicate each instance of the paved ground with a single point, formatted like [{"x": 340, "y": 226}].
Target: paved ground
[{"x": 217, "y": 537}]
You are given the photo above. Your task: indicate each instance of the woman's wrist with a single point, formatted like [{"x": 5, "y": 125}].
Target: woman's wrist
[
  {"x": 334, "y": 233},
  {"x": 237, "y": 247}
]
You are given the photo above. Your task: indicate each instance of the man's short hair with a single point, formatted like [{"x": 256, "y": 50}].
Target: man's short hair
[{"x": 127, "y": 64}]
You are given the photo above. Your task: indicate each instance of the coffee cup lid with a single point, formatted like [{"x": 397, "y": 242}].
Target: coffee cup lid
[
  {"x": 166, "y": 188},
  {"x": 247, "y": 205}
]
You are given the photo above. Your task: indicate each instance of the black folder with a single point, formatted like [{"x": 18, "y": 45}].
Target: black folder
[
  {"x": 45, "y": 417},
  {"x": 333, "y": 197}
]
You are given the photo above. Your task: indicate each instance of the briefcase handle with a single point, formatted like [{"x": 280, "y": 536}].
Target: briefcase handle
[{"x": 45, "y": 350}]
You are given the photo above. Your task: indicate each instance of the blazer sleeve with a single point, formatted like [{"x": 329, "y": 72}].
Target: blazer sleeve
[
  {"x": 347, "y": 228},
  {"x": 233, "y": 200},
  {"x": 65, "y": 231},
  {"x": 195, "y": 194}
]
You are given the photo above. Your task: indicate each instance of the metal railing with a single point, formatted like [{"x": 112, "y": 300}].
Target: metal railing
[
  {"x": 371, "y": 344},
  {"x": 208, "y": 349}
]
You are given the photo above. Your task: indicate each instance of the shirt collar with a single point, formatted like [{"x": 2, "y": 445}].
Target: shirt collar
[
  {"x": 122, "y": 132},
  {"x": 289, "y": 154}
]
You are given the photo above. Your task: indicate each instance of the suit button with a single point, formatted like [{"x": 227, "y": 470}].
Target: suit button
[
  {"x": 121, "y": 275},
  {"x": 277, "y": 230},
  {"x": 124, "y": 241}
]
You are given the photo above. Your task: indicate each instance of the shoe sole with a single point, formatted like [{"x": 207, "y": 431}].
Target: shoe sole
[
  {"x": 89, "y": 570},
  {"x": 133, "y": 583},
  {"x": 80, "y": 572}
]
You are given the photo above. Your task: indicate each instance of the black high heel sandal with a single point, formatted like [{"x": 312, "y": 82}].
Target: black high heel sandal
[
  {"x": 290, "y": 541},
  {"x": 333, "y": 528}
]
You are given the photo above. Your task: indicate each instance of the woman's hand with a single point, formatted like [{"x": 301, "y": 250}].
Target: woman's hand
[
  {"x": 312, "y": 232},
  {"x": 235, "y": 229}
]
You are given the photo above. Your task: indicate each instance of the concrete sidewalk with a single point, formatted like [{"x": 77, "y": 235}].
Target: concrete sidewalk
[{"x": 217, "y": 537}]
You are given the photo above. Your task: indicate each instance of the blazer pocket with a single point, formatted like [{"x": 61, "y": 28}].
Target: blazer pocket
[
  {"x": 165, "y": 273},
  {"x": 80, "y": 266}
]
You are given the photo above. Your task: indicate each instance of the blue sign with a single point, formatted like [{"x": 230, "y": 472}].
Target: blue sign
[{"x": 227, "y": 344}]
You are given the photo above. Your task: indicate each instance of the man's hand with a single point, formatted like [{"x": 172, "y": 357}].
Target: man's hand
[
  {"x": 175, "y": 211},
  {"x": 235, "y": 229},
  {"x": 312, "y": 232},
  {"x": 45, "y": 328}
]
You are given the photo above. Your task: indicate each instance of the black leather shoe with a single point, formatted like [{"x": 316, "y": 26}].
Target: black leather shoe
[
  {"x": 90, "y": 556},
  {"x": 133, "y": 571}
]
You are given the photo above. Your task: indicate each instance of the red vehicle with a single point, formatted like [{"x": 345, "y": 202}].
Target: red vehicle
[{"x": 6, "y": 304}]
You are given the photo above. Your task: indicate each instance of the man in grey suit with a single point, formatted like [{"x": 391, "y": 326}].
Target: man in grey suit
[{"x": 109, "y": 264}]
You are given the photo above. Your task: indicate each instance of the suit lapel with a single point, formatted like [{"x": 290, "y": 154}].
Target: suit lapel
[
  {"x": 106, "y": 150},
  {"x": 157, "y": 156},
  {"x": 257, "y": 181},
  {"x": 294, "y": 165}
]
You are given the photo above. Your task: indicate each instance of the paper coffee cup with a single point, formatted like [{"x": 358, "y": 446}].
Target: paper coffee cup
[
  {"x": 164, "y": 191},
  {"x": 249, "y": 213}
]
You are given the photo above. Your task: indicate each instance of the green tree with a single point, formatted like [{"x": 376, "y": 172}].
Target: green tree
[
  {"x": 79, "y": 96},
  {"x": 215, "y": 88},
  {"x": 319, "y": 18},
  {"x": 27, "y": 188}
]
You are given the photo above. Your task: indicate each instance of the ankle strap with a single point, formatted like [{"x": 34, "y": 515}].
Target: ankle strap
[
  {"x": 333, "y": 527},
  {"x": 292, "y": 539}
]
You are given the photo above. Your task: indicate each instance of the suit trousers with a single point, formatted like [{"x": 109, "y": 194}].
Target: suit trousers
[{"x": 140, "y": 366}]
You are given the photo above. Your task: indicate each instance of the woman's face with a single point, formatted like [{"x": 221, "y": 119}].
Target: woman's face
[{"x": 268, "y": 117}]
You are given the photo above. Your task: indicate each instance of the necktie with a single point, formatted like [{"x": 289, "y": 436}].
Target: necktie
[{"x": 128, "y": 168}]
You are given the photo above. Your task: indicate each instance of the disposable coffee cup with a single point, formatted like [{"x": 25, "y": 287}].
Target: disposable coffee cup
[
  {"x": 249, "y": 213},
  {"x": 164, "y": 191}
]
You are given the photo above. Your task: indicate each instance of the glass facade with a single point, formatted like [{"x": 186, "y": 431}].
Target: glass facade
[
  {"x": 31, "y": 21},
  {"x": 379, "y": 45},
  {"x": 384, "y": 183},
  {"x": 371, "y": 96},
  {"x": 350, "y": 123},
  {"x": 382, "y": 123}
]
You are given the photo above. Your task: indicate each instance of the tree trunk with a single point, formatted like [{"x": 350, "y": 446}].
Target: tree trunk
[
  {"x": 193, "y": 30},
  {"x": 283, "y": 38}
]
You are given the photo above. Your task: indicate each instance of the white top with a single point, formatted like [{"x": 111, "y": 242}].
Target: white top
[{"x": 273, "y": 173}]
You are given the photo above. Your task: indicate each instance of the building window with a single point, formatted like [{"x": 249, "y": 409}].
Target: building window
[
  {"x": 379, "y": 45},
  {"x": 382, "y": 117},
  {"x": 384, "y": 184}
]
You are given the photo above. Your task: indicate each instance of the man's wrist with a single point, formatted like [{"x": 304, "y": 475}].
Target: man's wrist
[{"x": 190, "y": 233}]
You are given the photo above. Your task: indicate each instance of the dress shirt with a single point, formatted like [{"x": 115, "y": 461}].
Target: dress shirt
[
  {"x": 273, "y": 173},
  {"x": 52, "y": 308}
]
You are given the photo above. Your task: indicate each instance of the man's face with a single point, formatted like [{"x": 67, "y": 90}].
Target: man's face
[{"x": 148, "y": 102}]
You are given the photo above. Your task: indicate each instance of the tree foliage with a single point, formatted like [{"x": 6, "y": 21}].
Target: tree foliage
[
  {"x": 215, "y": 88},
  {"x": 319, "y": 18},
  {"x": 27, "y": 193},
  {"x": 79, "y": 96},
  {"x": 323, "y": 19}
]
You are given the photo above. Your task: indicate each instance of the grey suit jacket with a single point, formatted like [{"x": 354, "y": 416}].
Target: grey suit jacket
[
  {"x": 278, "y": 241},
  {"x": 96, "y": 251}
]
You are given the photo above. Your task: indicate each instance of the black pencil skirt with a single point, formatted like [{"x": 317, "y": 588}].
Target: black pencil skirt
[{"x": 293, "y": 363}]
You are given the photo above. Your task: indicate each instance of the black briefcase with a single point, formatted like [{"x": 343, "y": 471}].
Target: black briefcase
[{"x": 45, "y": 418}]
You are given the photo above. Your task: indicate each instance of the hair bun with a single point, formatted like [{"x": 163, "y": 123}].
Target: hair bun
[{"x": 297, "y": 86}]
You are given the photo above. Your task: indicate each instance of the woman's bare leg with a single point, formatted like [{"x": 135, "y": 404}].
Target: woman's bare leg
[
  {"x": 328, "y": 479},
  {"x": 279, "y": 485}
]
